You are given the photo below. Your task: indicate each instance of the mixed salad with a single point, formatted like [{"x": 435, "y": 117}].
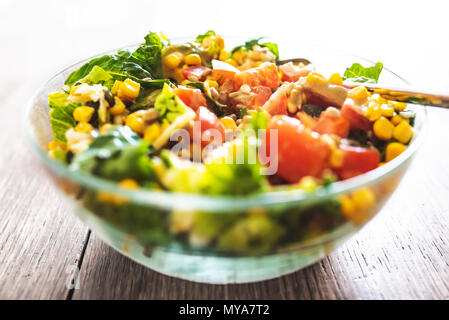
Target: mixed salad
[{"x": 201, "y": 118}]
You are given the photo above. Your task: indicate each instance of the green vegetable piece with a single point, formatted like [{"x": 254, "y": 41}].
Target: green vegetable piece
[
  {"x": 169, "y": 105},
  {"x": 273, "y": 47},
  {"x": 96, "y": 75},
  {"x": 201, "y": 37},
  {"x": 358, "y": 73},
  {"x": 61, "y": 116}
]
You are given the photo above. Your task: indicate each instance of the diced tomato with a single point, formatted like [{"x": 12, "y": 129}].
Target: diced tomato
[
  {"x": 196, "y": 73},
  {"x": 222, "y": 71},
  {"x": 264, "y": 75},
  {"x": 209, "y": 123},
  {"x": 300, "y": 152},
  {"x": 277, "y": 103},
  {"x": 292, "y": 73},
  {"x": 357, "y": 160},
  {"x": 354, "y": 114},
  {"x": 262, "y": 95},
  {"x": 332, "y": 125},
  {"x": 192, "y": 97}
]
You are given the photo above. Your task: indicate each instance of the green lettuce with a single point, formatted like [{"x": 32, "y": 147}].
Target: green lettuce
[
  {"x": 273, "y": 47},
  {"x": 358, "y": 73},
  {"x": 117, "y": 154},
  {"x": 61, "y": 115},
  {"x": 200, "y": 38}
]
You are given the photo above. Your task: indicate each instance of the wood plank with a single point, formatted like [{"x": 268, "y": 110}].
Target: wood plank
[
  {"x": 402, "y": 254},
  {"x": 40, "y": 240}
]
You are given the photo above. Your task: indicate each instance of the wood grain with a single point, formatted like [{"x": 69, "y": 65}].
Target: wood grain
[
  {"x": 402, "y": 254},
  {"x": 40, "y": 240}
]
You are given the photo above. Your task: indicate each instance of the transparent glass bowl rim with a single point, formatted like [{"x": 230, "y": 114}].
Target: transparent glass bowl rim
[{"x": 185, "y": 201}]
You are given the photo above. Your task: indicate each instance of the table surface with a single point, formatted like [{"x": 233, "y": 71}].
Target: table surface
[{"x": 402, "y": 254}]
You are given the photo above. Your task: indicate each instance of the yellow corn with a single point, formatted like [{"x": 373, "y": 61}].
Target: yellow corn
[
  {"x": 393, "y": 150},
  {"x": 336, "y": 79},
  {"x": 193, "y": 58},
  {"x": 373, "y": 112},
  {"x": 229, "y": 123},
  {"x": 387, "y": 110},
  {"x": 55, "y": 145},
  {"x": 380, "y": 164},
  {"x": 128, "y": 90},
  {"x": 224, "y": 55},
  {"x": 105, "y": 128},
  {"x": 403, "y": 132},
  {"x": 116, "y": 86},
  {"x": 212, "y": 83},
  {"x": 178, "y": 75},
  {"x": 173, "y": 60},
  {"x": 232, "y": 62},
  {"x": 363, "y": 198},
  {"x": 152, "y": 132},
  {"x": 118, "y": 108},
  {"x": 399, "y": 106},
  {"x": 308, "y": 184},
  {"x": 336, "y": 158},
  {"x": 84, "y": 127},
  {"x": 383, "y": 129},
  {"x": 164, "y": 125},
  {"x": 83, "y": 114},
  {"x": 398, "y": 119},
  {"x": 135, "y": 122},
  {"x": 238, "y": 56},
  {"x": 347, "y": 206},
  {"x": 129, "y": 184},
  {"x": 358, "y": 93},
  {"x": 220, "y": 42},
  {"x": 315, "y": 77}
]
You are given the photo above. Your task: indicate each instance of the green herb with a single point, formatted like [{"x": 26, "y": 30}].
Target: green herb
[
  {"x": 273, "y": 47},
  {"x": 358, "y": 73}
]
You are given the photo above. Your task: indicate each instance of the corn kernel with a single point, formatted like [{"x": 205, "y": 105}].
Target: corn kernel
[
  {"x": 129, "y": 184},
  {"x": 399, "y": 106},
  {"x": 380, "y": 164},
  {"x": 403, "y": 132},
  {"x": 192, "y": 59},
  {"x": 55, "y": 145},
  {"x": 308, "y": 184},
  {"x": 152, "y": 132},
  {"x": 336, "y": 79},
  {"x": 173, "y": 60},
  {"x": 358, "y": 93},
  {"x": 83, "y": 114},
  {"x": 383, "y": 129},
  {"x": 118, "y": 108},
  {"x": 336, "y": 158},
  {"x": 135, "y": 122},
  {"x": 84, "y": 127},
  {"x": 393, "y": 150},
  {"x": 315, "y": 77},
  {"x": 373, "y": 113},
  {"x": 347, "y": 206},
  {"x": 116, "y": 86},
  {"x": 231, "y": 62},
  {"x": 164, "y": 125},
  {"x": 228, "y": 123},
  {"x": 397, "y": 119},
  {"x": 220, "y": 42},
  {"x": 224, "y": 55},
  {"x": 105, "y": 128},
  {"x": 212, "y": 83},
  {"x": 129, "y": 90},
  {"x": 238, "y": 56},
  {"x": 387, "y": 110},
  {"x": 363, "y": 198}
]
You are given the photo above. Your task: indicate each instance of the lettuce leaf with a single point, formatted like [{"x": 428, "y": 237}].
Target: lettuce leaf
[
  {"x": 61, "y": 114},
  {"x": 358, "y": 73},
  {"x": 273, "y": 47},
  {"x": 200, "y": 38},
  {"x": 117, "y": 154}
]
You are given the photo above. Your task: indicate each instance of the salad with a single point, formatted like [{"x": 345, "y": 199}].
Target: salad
[{"x": 201, "y": 118}]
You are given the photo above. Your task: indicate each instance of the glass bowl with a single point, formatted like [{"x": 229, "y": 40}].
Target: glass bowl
[{"x": 226, "y": 239}]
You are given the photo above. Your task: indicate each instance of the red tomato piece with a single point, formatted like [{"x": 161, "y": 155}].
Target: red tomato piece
[
  {"x": 354, "y": 114},
  {"x": 331, "y": 124},
  {"x": 208, "y": 121},
  {"x": 300, "y": 152},
  {"x": 264, "y": 75},
  {"x": 357, "y": 160},
  {"x": 196, "y": 73},
  {"x": 277, "y": 103},
  {"x": 262, "y": 95},
  {"x": 292, "y": 73},
  {"x": 193, "y": 98},
  {"x": 222, "y": 71}
]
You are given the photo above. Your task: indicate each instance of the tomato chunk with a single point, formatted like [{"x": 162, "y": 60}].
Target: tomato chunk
[
  {"x": 222, "y": 71},
  {"x": 277, "y": 103},
  {"x": 300, "y": 152},
  {"x": 196, "y": 73},
  {"x": 192, "y": 97},
  {"x": 354, "y": 114},
  {"x": 210, "y": 127},
  {"x": 292, "y": 73},
  {"x": 332, "y": 124},
  {"x": 264, "y": 75},
  {"x": 357, "y": 160}
]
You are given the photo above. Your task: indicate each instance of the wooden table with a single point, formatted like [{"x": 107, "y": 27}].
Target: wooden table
[{"x": 402, "y": 254}]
